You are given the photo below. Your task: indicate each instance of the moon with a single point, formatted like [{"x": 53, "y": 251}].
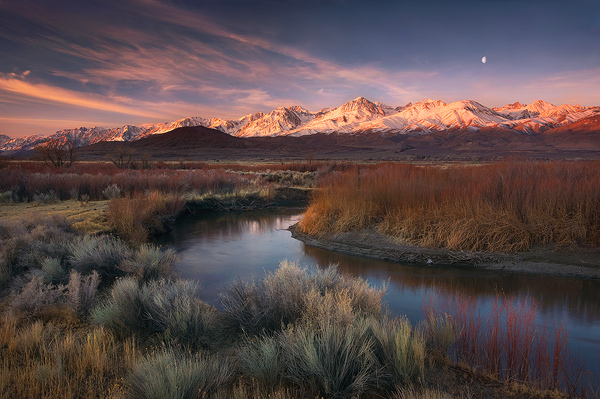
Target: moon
[{"x": 484, "y": 59}]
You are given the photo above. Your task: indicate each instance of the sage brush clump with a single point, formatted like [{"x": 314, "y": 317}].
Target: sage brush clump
[{"x": 158, "y": 307}]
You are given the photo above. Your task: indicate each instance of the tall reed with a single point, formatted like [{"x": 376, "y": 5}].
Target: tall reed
[
  {"x": 506, "y": 342},
  {"x": 498, "y": 207},
  {"x": 138, "y": 217}
]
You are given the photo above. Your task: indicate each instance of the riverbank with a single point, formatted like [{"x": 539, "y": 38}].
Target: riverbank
[
  {"x": 578, "y": 263},
  {"x": 279, "y": 197}
]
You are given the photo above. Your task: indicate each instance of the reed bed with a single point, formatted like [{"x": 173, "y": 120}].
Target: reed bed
[
  {"x": 30, "y": 181},
  {"x": 135, "y": 219},
  {"x": 505, "y": 342},
  {"x": 508, "y": 206}
]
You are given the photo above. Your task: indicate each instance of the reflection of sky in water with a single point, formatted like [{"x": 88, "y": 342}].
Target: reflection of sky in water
[{"x": 215, "y": 249}]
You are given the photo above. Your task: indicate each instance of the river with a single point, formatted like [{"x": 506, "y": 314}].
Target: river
[{"x": 216, "y": 248}]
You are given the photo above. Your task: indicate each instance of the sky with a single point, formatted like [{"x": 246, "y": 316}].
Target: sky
[{"x": 66, "y": 64}]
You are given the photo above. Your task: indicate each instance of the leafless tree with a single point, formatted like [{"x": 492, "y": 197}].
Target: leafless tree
[
  {"x": 122, "y": 157},
  {"x": 56, "y": 153}
]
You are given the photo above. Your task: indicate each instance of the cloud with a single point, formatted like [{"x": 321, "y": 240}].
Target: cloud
[
  {"x": 188, "y": 52},
  {"x": 571, "y": 87},
  {"x": 50, "y": 94}
]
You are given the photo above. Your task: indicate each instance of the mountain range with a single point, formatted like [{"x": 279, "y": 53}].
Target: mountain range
[{"x": 357, "y": 116}]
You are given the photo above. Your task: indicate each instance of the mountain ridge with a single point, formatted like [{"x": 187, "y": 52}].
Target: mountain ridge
[{"x": 355, "y": 116}]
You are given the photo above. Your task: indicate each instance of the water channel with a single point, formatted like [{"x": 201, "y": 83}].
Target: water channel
[{"x": 216, "y": 248}]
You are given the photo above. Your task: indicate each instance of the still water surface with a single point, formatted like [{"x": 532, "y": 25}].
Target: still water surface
[{"x": 216, "y": 248}]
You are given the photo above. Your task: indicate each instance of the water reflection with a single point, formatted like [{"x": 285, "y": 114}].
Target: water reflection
[
  {"x": 580, "y": 297},
  {"x": 216, "y": 248}
]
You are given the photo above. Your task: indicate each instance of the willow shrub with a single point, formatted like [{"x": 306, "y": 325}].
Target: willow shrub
[{"x": 496, "y": 207}]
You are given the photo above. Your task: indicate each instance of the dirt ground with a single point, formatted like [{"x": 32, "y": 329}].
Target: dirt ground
[{"x": 572, "y": 262}]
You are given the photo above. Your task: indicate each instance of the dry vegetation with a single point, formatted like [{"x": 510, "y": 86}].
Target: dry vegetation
[
  {"x": 94, "y": 316},
  {"x": 141, "y": 202},
  {"x": 89, "y": 316},
  {"x": 507, "y": 206}
]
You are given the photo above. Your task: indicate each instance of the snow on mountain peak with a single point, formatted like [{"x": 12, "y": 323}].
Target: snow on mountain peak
[
  {"x": 539, "y": 106},
  {"x": 356, "y": 115},
  {"x": 515, "y": 105},
  {"x": 362, "y": 104}
]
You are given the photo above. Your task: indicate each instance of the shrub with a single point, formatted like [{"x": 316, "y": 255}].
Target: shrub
[
  {"x": 149, "y": 262},
  {"x": 111, "y": 192},
  {"x": 35, "y": 297},
  {"x": 81, "y": 292},
  {"x": 507, "y": 344},
  {"x": 46, "y": 198},
  {"x": 334, "y": 361},
  {"x": 168, "y": 308},
  {"x": 27, "y": 242},
  {"x": 103, "y": 254},
  {"x": 137, "y": 218},
  {"x": 170, "y": 373},
  {"x": 44, "y": 242},
  {"x": 280, "y": 298},
  {"x": 6, "y": 197},
  {"x": 497, "y": 207}
]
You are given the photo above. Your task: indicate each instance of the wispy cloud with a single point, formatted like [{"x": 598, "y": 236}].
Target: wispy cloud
[
  {"x": 50, "y": 94},
  {"x": 169, "y": 62}
]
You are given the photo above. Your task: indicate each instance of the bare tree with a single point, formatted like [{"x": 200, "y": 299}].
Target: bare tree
[
  {"x": 122, "y": 157},
  {"x": 146, "y": 161},
  {"x": 56, "y": 153}
]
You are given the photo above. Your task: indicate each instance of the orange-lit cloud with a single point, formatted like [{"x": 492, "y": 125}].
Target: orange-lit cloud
[{"x": 49, "y": 94}]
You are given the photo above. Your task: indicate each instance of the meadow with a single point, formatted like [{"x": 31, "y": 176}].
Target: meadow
[{"x": 96, "y": 315}]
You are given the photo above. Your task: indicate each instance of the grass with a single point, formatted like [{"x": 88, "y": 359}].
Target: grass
[
  {"x": 497, "y": 207},
  {"x": 87, "y": 218},
  {"x": 135, "y": 219},
  {"x": 44, "y": 360}
]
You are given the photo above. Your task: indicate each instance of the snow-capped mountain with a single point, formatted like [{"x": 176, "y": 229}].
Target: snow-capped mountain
[
  {"x": 355, "y": 116},
  {"x": 4, "y": 139}
]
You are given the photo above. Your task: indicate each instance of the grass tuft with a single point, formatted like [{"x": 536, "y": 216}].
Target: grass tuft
[{"x": 149, "y": 262}]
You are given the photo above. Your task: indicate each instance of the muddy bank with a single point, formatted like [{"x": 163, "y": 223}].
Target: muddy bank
[
  {"x": 282, "y": 197},
  {"x": 580, "y": 263}
]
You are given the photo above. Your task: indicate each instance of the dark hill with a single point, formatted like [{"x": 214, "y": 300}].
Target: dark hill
[
  {"x": 578, "y": 140},
  {"x": 190, "y": 138}
]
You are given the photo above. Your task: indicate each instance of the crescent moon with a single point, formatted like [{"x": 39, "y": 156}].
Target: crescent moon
[{"x": 484, "y": 59}]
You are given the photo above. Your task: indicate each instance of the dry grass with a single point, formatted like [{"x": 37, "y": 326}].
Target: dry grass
[
  {"x": 33, "y": 181},
  {"x": 42, "y": 360},
  {"x": 87, "y": 218},
  {"x": 497, "y": 207},
  {"x": 138, "y": 217}
]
